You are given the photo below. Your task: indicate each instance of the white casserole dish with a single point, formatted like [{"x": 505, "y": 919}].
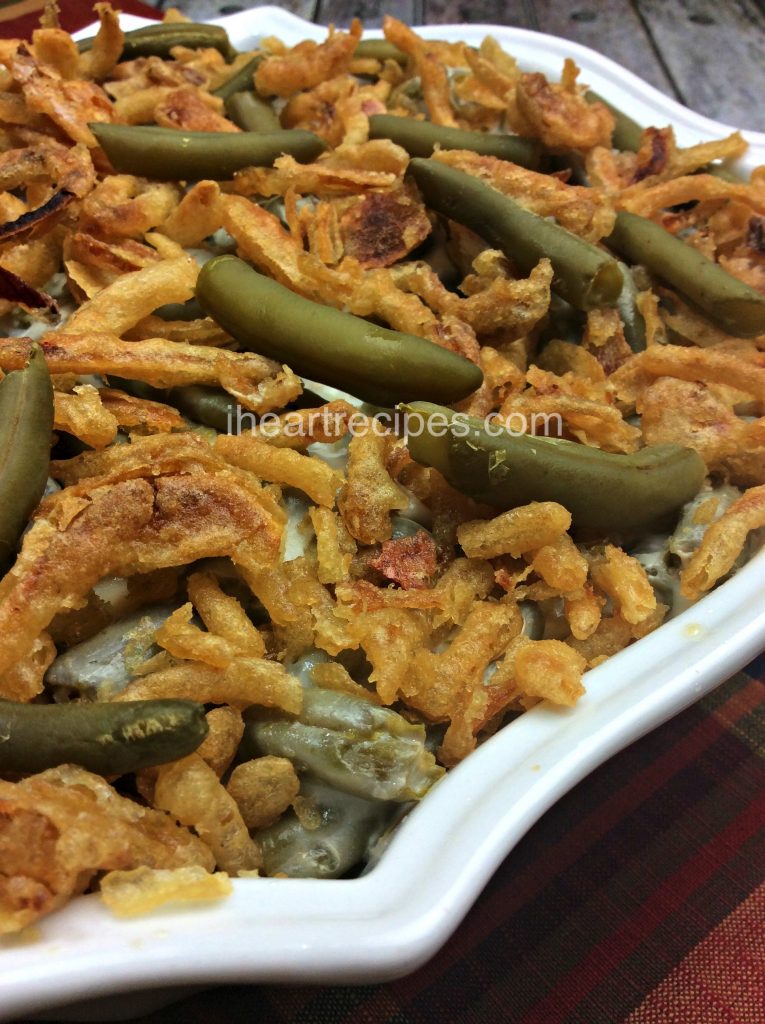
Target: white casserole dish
[{"x": 388, "y": 922}]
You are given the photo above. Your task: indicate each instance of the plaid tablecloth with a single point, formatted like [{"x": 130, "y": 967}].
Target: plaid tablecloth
[{"x": 638, "y": 899}]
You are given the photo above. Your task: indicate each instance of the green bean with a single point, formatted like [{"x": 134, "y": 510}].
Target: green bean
[
  {"x": 190, "y": 310},
  {"x": 212, "y": 407},
  {"x": 139, "y": 389},
  {"x": 407, "y": 94},
  {"x": 240, "y": 81},
  {"x": 26, "y": 426},
  {"x": 102, "y": 666},
  {"x": 584, "y": 275},
  {"x": 371, "y": 362},
  {"x": 724, "y": 173},
  {"x": 159, "y": 40},
  {"x": 347, "y": 825},
  {"x": 349, "y": 743},
  {"x": 170, "y": 155},
  {"x": 632, "y": 319},
  {"x": 663, "y": 578},
  {"x": 606, "y": 494},
  {"x": 420, "y": 138},
  {"x": 252, "y": 113},
  {"x": 380, "y": 49},
  {"x": 533, "y": 620},
  {"x": 627, "y": 133},
  {"x": 109, "y": 739},
  {"x": 734, "y": 306}
]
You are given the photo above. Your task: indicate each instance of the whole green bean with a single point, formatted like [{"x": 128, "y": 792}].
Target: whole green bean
[
  {"x": 606, "y": 494},
  {"x": 26, "y": 426},
  {"x": 240, "y": 81},
  {"x": 371, "y": 362},
  {"x": 252, "y": 113},
  {"x": 347, "y": 825},
  {"x": 108, "y": 739},
  {"x": 159, "y": 40},
  {"x": 584, "y": 275},
  {"x": 627, "y": 133},
  {"x": 734, "y": 306},
  {"x": 420, "y": 138},
  {"x": 380, "y": 49},
  {"x": 170, "y": 155},
  {"x": 349, "y": 743}
]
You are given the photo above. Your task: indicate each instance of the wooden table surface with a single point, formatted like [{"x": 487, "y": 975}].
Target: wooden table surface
[{"x": 710, "y": 56}]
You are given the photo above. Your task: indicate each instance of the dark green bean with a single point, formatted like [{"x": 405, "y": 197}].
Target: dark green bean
[
  {"x": 26, "y": 426},
  {"x": 371, "y": 362},
  {"x": 240, "y": 81},
  {"x": 627, "y": 133},
  {"x": 420, "y": 138},
  {"x": 252, "y": 113},
  {"x": 159, "y": 40},
  {"x": 170, "y": 155},
  {"x": 606, "y": 494},
  {"x": 139, "y": 389},
  {"x": 380, "y": 49},
  {"x": 734, "y": 306},
  {"x": 584, "y": 275},
  {"x": 109, "y": 739}
]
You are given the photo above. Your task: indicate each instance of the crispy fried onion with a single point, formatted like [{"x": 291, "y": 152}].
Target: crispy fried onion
[
  {"x": 379, "y": 228},
  {"x": 449, "y": 686},
  {"x": 61, "y": 827},
  {"x": 131, "y": 526},
  {"x": 257, "y": 383},
  {"x": 689, "y": 413},
  {"x": 69, "y": 104},
  {"x": 328, "y": 176},
  {"x": 743, "y": 369},
  {"x": 559, "y": 115},
  {"x": 308, "y": 63},
  {"x": 428, "y": 65},
  {"x": 38, "y": 221},
  {"x": 492, "y": 303},
  {"x": 722, "y": 543},
  {"x": 81, "y": 414},
  {"x": 587, "y": 212},
  {"x": 134, "y": 296},
  {"x": 16, "y": 291}
]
